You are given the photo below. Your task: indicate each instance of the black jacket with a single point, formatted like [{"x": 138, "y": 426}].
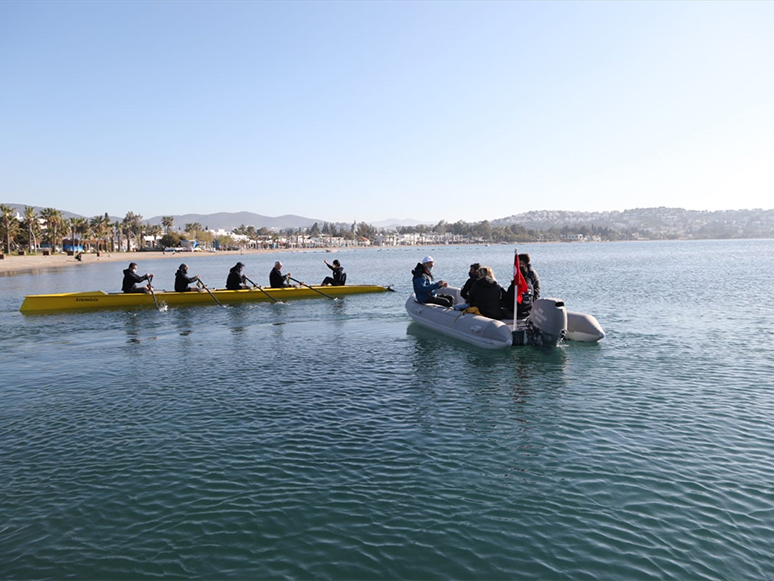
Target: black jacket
[
  {"x": 486, "y": 294},
  {"x": 131, "y": 278},
  {"x": 277, "y": 279},
  {"x": 533, "y": 281},
  {"x": 338, "y": 275},
  {"x": 525, "y": 306},
  {"x": 235, "y": 280},
  {"x": 182, "y": 281},
  {"x": 465, "y": 292}
]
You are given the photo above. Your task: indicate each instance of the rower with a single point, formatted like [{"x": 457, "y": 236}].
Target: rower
[
  {"x": 182, "y": 280},
  {"x": 339, "y": 276},
  {"x": 131, "y": 279},
  {"x": 236, "y": 280},
  {"x": 276, "y": 278}
]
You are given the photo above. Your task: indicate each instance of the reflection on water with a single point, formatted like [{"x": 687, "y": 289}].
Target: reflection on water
[
  {"x": 200, "y": 442},
  {"x": 131, "y": 326},
  {"x": 237, "y": 321}
]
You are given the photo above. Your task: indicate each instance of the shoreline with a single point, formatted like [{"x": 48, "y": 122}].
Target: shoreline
[{"x": 14, "y": 264}]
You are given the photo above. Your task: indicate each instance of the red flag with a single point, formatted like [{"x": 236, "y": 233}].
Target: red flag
[{"x": 518, "y": 279}]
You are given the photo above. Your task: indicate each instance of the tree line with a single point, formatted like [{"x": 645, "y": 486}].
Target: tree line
[
  {"x": 48, "y": 228},
  {"x": 485, "y": 232}
]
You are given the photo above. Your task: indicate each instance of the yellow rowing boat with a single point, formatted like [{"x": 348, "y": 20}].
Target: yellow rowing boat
[{"x": 103, "y": 300}]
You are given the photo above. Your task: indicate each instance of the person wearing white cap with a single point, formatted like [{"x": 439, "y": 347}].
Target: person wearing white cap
[{"x": 425, "y": 290}]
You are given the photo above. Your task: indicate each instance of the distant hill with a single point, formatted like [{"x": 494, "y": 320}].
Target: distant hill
[
  {"x": 66, "y": 215},
  {"x": 653, "y": 223},
  {"x": 394, "y": 223},
  {"x": 230, "y": 220},
  {"x": 221, "y": 220}
]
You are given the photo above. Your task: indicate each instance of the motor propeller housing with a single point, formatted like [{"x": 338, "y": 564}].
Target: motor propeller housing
[{"x": 546, "y": 325}]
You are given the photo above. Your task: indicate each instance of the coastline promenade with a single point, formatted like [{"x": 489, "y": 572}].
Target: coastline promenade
[{"x": 40, "y": 262}]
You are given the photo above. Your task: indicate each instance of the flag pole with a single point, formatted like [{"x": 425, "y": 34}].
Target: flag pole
[{"x": 515, "y": 286}]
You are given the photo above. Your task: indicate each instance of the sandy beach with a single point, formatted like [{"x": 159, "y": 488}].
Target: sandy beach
[{"x": 39, "y": 262}]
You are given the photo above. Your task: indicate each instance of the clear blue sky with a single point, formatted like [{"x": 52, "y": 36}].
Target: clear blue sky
[{"x": 364, "y": 111}]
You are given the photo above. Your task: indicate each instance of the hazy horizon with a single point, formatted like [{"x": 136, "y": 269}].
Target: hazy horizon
[
  {"x": 367, "y": 111},
  {"x": 217, "y": 217}
]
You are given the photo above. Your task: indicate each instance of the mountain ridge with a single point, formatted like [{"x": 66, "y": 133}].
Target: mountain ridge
[{"x": 660, "y": 221}]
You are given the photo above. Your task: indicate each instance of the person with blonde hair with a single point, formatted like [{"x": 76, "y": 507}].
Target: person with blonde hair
[{"x": 487, "y": 294}]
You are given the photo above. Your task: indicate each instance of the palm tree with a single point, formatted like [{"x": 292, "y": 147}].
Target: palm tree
[
  {"x": 155, "y": 231},
  {"x": 102, "y": 228},
  {"x": 108, "y": 229},
  {"x": 193, "y": 228},
  {"x": 82, "y": 229},
  {"x": 31, "y": 221},
  {"x": 99, "y": 229},
  {"x": 53, "y": 219},
  {"x": 132, "y": 224},
  {"x": 168, "y": 222},
  {"x": 8, "y": 217},
  {"x": 117, "y": 234},
  {"x": 72, "y": 234}
]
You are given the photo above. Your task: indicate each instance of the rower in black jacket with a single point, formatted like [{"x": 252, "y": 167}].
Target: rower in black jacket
[
  {"x": 236, "y": 280},
  {"x": 276, "y": 278}
]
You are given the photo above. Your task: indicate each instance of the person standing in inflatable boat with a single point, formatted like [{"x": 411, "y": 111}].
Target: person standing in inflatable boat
[{"x": 425, "y": 289}]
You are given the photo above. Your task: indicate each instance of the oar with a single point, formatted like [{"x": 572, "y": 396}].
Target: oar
[
  {"x": 212, "y": 295},
  {"x": 260, "y": 289},
  {"x": 314, "y": 289},
  {"x": 153, "y": 293}
]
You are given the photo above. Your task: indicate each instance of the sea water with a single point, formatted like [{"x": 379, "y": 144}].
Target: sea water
[{"x": 337, "y": 440}]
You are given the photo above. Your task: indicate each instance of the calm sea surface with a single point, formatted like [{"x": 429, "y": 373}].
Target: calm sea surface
[{"x": 336, "y": 440}]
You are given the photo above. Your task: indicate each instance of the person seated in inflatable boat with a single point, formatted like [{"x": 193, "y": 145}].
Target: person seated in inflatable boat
[
  {"x": 472, "y": 279},
  {"x": 487, "y": 294},
  {"x": 425, "y": 290},
  {"x": 527, "y": 298}
]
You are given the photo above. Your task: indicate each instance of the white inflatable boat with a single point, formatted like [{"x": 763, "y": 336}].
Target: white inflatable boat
[{"x": 548, "y": 324}]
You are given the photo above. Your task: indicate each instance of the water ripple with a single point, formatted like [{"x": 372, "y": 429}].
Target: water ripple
[{"x": 329, "y": 440}]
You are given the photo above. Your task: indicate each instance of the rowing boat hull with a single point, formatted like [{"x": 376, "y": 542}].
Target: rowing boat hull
[{"x": 95, "y": 300}]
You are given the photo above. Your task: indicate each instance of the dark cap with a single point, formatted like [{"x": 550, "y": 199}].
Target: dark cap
[
  {"x": 239, "y": 265},
  {"x": 475, "y": 265}
]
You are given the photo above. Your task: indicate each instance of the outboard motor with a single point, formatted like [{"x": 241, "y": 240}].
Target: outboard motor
[{"x": 546, "y": 325}]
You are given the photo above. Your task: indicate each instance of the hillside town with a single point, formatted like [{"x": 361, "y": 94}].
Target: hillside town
[{"x": 27, "y": 229}]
